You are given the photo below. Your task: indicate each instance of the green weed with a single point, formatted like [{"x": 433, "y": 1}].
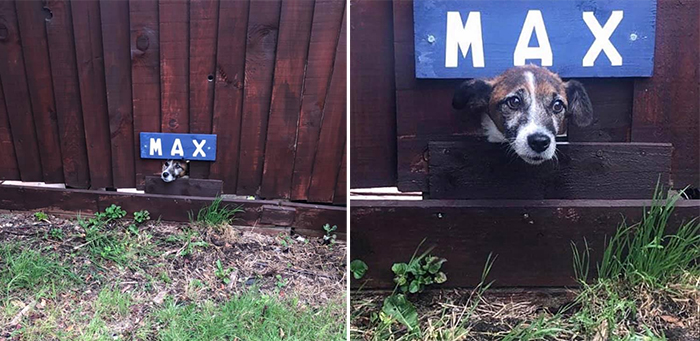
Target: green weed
[{"x": 215, "y": 215}]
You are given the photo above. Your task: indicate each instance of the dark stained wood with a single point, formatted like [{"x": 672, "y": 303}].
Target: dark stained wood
[
  {"x": 47, "y": 199},
  {"x": 117, "y": 60},
  {"x": 203, "y": 37},
  {"x": 174, "y": 65},
  {"x": 31, "y": 21},
  {"x": 87, "y": 32},
  {"x": 333, "y": 129},
  {"x": 8, "y": 169},
  {"x": 341, "y": 188},
  {"x": 280, "y": 146},
  {"x": 309, "y": 218},
  {"x": 665, "y": 106},
  {"x": 145, "y": 79},
  {"x": 531, "y": 239},
  {"x": 324, "y": 39},
  {"x": 64, "y": 74},
  {"x": 612, "y": 111},
  {"x": 263, "y": 26},
  {"x": 228, "y": 95},
  {"x": 17, "y": 98},
  {"x": 187, "y": 187},
  {"x": 595, "y": 170},
  {"x": 277, "y": 215},
  {"x": 372, "y": 94}
]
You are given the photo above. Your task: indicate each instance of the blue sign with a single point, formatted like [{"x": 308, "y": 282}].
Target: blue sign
[
  {"x": 200, "y": 147},
  {"x": 574, "y": 38}
]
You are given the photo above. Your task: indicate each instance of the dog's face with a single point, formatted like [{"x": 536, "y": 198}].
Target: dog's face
[
  {"x": 173, "y": 169},
  {"x": 526, "y": 107}
]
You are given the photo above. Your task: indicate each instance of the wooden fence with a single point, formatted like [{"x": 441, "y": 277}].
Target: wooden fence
[
  {"x": 81, "y": 79},
  {"x": 405, "y": 133}
]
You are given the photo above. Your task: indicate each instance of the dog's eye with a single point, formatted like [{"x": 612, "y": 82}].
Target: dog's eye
[
  {"x": 177, "y": 166},
  {"x": 558, "y": 106},
  {"x": 167, "y": 164},
  {"x": 513, "y": 102}
]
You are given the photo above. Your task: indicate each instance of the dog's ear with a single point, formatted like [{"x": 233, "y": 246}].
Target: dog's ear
[
  {"x": 472, "y": 95},
  {"x": 580, "y": 107}
]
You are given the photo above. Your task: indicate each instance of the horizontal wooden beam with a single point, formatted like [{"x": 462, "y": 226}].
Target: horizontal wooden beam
[
  {"x": 186, "y": 186},
  {"x": 530, "y": 238},
  {"x": 480, "y": 170},
  {"x": 306, "y": 219}
]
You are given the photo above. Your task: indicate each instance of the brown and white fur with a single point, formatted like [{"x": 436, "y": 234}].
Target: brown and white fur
[
  {"x": 173, "y": 170},
  {"x": 526, "y": 107}
]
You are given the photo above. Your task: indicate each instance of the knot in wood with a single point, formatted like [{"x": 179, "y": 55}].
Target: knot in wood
[{"x": 142, "y": 42}]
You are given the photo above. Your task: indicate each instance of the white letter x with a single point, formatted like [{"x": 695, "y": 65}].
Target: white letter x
[
  {"x": 198, "y": 148},
  {"x": 602, "y": 38}
]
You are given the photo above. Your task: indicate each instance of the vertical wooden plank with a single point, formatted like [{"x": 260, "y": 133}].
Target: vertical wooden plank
[
  {"x": 666, "y": 107},
  {"x": 145, "y": 79},
  {"x": 228, "y": 95},
  {"x": 31, "y": 21},
  {"x": 263, "y": 24},
  {"x": 8, "y": 168},
  {"x": 59, "y": 30},
  {"x": 341, "y": 189},
  {"x": 17, "y": 99},
  {"x": 173, "y": 23},
  {"x": 333, "y": 129},
  {"x": 327, "y": 19},
  {"x": 87, "y": 33},
  {"x": 372, "y": 95},
  {"x": 203, "y": 34},
  {"x": 292, "y": 49},
  {"x": 117, "y": 58}
]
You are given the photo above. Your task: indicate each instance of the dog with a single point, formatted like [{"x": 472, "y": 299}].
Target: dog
[
  {"x": 525, "y": 107},
  {"x": 173, "y": 170}
]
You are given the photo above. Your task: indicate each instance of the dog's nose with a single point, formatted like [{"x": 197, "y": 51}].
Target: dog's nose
[
  {"x": 166, "y": 174},
  {"x": 538, "y": 142}
]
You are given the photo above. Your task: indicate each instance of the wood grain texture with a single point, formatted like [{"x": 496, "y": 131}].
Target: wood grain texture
[
  {"x": 203, "y": 38},
  {"x": 612, "y": 100},
  {"x": 341, "y": 188},
  {"x": 665, "y": 106},
  {"x": 372, "y": 95},
  {"x": 481, "y": 170},
  {"x": 186, "y": 187},
  {"x": 263, "y": 27},
  {"x": 87, "y": 33},
  {"x": 8, "y": 169},
  {"x": 117, "y": 59},
  {"x": 17, "y": 98},
  {"x": 145, "y": 79},
  {"x": 309, "y": 218},
  {"x": 277, "y": 215},
  {"x": 530, "y": 239},
  {"x": 290, "y": 65},
  {"x": 228, "y": 95},
  {"x": 31, "y": 21},
  {"x": 66, "y": 86},
  {"x": 333, "y": 129},
  {"x": 325, "y": 29},
  {"x": 173, "y": 23}
]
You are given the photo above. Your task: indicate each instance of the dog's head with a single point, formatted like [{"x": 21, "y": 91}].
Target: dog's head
[
  {"x": 173, "y": 169},
  {"x": 526, "y": 107}
]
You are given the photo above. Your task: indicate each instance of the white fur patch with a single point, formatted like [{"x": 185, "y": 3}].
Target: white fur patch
[
  {"x": 522, "y": 148},
  {"x": 492, "y": 133}
]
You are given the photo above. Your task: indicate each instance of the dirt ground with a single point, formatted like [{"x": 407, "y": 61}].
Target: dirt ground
[{"x": 167, "y": 259}]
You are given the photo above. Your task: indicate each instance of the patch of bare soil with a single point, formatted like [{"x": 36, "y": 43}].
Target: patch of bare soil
[{"x": 180, "y": 262}]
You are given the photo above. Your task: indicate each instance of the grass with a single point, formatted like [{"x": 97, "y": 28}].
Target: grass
[
  {"x": 34, "y": 271},
  {"x": 648, "y": 287},
  {"x": 250, "y": 316},
  {"x": 163, "y": 283},
  {"x": 215, "y": 215}
]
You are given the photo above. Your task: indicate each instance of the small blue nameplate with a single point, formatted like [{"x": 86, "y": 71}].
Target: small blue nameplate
[
  {"x": 574, "y": 38},
  {"x": 200, "y": 147}
]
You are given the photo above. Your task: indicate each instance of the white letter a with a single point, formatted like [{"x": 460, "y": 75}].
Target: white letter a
[{"x": 533, "y": 22}]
